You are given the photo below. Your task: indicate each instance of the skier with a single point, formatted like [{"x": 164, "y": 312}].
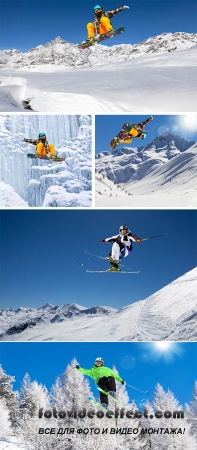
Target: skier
[
  {"x": 122, "y": 246},
  {"x": 104, "y": 378},
  {"x": 130, "y": 131},
  {"x": 43, "y": 148},
  {"x": 101, "y": 23}
]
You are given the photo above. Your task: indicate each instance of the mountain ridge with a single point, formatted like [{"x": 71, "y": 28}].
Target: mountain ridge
[
  {"x": 61, "y": 52},
  {"x": 168, "y": 314}
]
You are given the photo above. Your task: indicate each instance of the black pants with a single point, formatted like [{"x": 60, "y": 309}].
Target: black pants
[{"x": 107, "y": 384}]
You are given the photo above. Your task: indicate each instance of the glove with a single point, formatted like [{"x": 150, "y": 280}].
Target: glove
[
  {"x": 138, "y": 240},
  {"x": 77, "y": 366},
  {"x": 102, "y": 240},
  {"x": 96, "y": 36},
  {"x": 123, "y": 382},
  {"x": 125, "y": 7}
]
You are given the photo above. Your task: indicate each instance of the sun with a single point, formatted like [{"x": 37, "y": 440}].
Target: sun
[
  {"x": 163, "y": 345},
  {"x": 189, "y": 121},
  {"x": 165, "y": 349}
]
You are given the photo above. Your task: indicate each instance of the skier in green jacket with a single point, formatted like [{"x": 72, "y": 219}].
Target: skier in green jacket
[{"x": 104, "y": 378}]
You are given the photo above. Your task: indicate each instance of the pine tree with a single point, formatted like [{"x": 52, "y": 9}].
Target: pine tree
[
  {"x": 5, "y": 424},
  {"x": 191, "y": 411},
  {"x": 6, "y": 392}
]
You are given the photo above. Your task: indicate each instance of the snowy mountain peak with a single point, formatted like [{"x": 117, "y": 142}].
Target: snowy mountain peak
[
  {"x": 61, "y": 52},
  {"x": 46, "y": 306},
  {"x": 169, "y": 314},
  {"x": 167, "y": 139},
  {"x": 148, "y": 174}
]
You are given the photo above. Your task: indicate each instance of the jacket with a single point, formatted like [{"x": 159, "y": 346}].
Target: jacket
[
  {"x": 99, "y": 372},
  {"x": 108, "y": 14}
]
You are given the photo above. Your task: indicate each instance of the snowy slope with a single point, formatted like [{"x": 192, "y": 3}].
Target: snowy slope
[
  {"x": 12, "y": 443},
  {"x": 9, "y": 198},
  {"x": 40, "y": 182},
  {"x": 163, "y": 172},
  {"x": 160, "y": 72},
  {"x": 169, "y": 314}
]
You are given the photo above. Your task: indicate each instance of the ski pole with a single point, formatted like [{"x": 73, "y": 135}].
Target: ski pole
[
  {"x": 145, "y": 392},
  {"x": 152, "y": 237}
]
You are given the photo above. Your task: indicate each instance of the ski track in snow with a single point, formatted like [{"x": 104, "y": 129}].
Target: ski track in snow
[
  {"x": 165, "y": 81},
  {"x": 162, "y": 173},
  {"x": 169, "y": 314}
]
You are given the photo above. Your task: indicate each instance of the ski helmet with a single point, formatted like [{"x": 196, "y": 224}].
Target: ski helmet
[
  {"x": 123, "y": 230},
  {"x": 41, "y": 135},
  {"x": 99, "y": 361},
  {"x": 98, "y": 7},
  {"x": 144, "y": 134}
]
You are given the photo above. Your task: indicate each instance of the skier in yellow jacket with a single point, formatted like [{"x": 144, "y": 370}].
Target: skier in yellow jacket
[
  {"x": 101, "y": 23},
  {"x": 43, "y": 148}
]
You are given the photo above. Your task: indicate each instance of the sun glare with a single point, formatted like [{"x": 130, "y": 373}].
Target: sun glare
[
  {"x": 189, "y": 122},
  {"x": 166, "y": 349}
]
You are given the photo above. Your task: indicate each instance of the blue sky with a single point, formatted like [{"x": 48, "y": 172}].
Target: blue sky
[
  {"x": 108, "y": 126},
  {"x": 28, "y": 23},
  {"x": 43, "y": 255},
  {"x": 140, "y": 364}
]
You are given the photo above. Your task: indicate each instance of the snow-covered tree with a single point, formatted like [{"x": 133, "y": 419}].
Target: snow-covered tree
[
  {"x": 32, "y": 396},
  {"x": 5, "y": 424},
  {"x": 6, "y": 393},
  {"x": 191, "y": 412},
  {"x": 166, "y": 402}
]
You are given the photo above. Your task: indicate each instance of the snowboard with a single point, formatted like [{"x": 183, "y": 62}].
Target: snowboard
[
  {"x": 50, "y": 158},
  {"x": 103, "y": 37}
]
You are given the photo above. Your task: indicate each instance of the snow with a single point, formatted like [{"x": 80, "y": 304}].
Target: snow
[
  {"x": 169, "y": 314},
  {"x": 37, "y": 183},
  {"x": 12, "y": 443},
  {"x": 163, "y": 172},
  {"x": 9, "y": 198},
  {"x": 160, "y": 72}
]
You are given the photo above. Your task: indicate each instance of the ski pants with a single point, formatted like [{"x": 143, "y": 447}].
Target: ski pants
[
  {"x": 105, "y": 25},
  {"x": 107, "y": 384},
  {"x": 41, "y": 150},
  {"x": 118, "y": 253}
]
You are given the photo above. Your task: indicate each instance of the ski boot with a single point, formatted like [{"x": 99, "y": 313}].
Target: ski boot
[
  {"x": 104, "y": 405},
  {"x": 89, "y": 41},
  {"x": 114, "y": 268},
  {"x": 111, "y": 32},
  {"x": 113, "y": 261},
  {"x": 112, "y": 393}
]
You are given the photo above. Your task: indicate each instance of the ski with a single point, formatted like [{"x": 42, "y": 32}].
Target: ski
[
  {"x": 94, "y": 402},
  {"x": 106, "y": 259},
  {"x": 109, "y": 271},
  {"x": 110, "y": 396}
]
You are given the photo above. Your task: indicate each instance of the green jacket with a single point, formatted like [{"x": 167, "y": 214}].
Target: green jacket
[{"x": 98, "y": 372}]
